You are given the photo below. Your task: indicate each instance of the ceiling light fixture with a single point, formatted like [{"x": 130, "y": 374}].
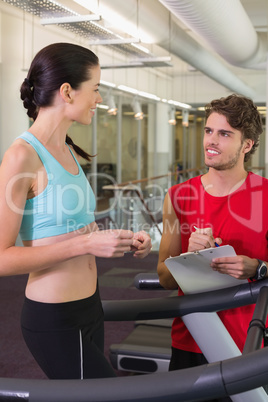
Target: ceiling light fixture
[
  {"x": 107, "y": 84},
  {"x": 128, "y": 89},
  {"x": 172, "y": 117},
  {"x": 69, "y": 19},
  {"x": 185, "y": 118},
  {"x": 112, "y": 109},
  {"x": 148, "y": 95},
  {"x": 102, "y": 106},
  {"x": 179, "y": 104},
  {"x": 113, "y": 41},
  {"x": 138, "y": 113},
  {"x": 140, "y": 93},
  {"x": 143, "y": 94},
  {"x": 140, "y": 47},
  {"x": 115, "y": 20}
]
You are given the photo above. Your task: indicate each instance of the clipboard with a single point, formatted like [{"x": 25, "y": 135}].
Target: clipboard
[{"x": 193, "y": 273}]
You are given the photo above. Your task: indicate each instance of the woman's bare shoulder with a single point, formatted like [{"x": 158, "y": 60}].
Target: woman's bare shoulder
[{"x": 20, "y": 156}]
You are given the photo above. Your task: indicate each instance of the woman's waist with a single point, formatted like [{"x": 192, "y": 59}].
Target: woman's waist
[
  {"x": 45, "y": 316},
  {"x": 70, "y": 280}
]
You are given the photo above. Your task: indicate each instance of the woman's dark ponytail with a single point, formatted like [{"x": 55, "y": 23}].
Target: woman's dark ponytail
[
  {"x": 77, "y": 149},
  {"x": 27, "y": 96}
]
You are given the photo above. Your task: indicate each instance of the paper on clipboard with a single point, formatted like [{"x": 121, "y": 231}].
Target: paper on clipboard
[{"x": 193, "y": 272}]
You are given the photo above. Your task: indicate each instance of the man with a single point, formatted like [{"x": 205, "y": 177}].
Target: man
[{"x": 228, "y": 205}]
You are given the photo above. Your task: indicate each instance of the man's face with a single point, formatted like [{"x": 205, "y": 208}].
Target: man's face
[{"x": 223, "y": 145}]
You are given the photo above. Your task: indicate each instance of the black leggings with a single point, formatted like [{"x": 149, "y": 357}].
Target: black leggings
[{"x": 67, "y": 339}]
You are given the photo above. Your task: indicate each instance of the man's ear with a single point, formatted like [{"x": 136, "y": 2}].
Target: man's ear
[
  {"x": 248, "y": 144},
  {"x": 66, "y": 92}
]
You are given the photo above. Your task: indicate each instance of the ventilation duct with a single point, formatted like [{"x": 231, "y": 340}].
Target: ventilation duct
[
  {"x": 226, "y": 27},
  {"x": 176, "y": 41}
]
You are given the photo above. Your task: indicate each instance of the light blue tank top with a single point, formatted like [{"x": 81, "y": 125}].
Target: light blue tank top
[{"x": 66, "y": 204}]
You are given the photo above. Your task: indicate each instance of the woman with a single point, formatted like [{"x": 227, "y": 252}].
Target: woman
[{"x": 46, "y": 197}]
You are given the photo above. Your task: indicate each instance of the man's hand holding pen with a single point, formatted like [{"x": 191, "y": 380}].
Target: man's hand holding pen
[{"x": 203, "y": 238}]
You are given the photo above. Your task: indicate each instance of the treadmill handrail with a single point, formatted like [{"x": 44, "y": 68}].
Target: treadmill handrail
[
  {"x": 178, "y": 306},
  {"x": 216, "y": 380}
]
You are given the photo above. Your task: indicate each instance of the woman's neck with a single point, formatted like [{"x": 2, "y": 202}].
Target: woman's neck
[{"x": 50, "y": 128}]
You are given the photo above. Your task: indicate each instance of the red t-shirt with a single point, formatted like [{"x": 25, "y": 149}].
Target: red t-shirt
[{"x": 239, "y": 219}]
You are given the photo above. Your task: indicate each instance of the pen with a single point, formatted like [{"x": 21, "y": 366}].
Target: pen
[{"x": 216, "y": 244}]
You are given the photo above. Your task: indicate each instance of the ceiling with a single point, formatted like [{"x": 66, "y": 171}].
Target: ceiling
[{"x": 219, "y": 39}]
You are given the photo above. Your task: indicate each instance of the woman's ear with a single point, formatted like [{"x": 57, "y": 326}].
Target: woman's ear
[{"x": 66, "y": 92}]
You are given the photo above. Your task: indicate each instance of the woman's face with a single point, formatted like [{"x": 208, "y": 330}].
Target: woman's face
[{"x": 86, "y": 98}]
